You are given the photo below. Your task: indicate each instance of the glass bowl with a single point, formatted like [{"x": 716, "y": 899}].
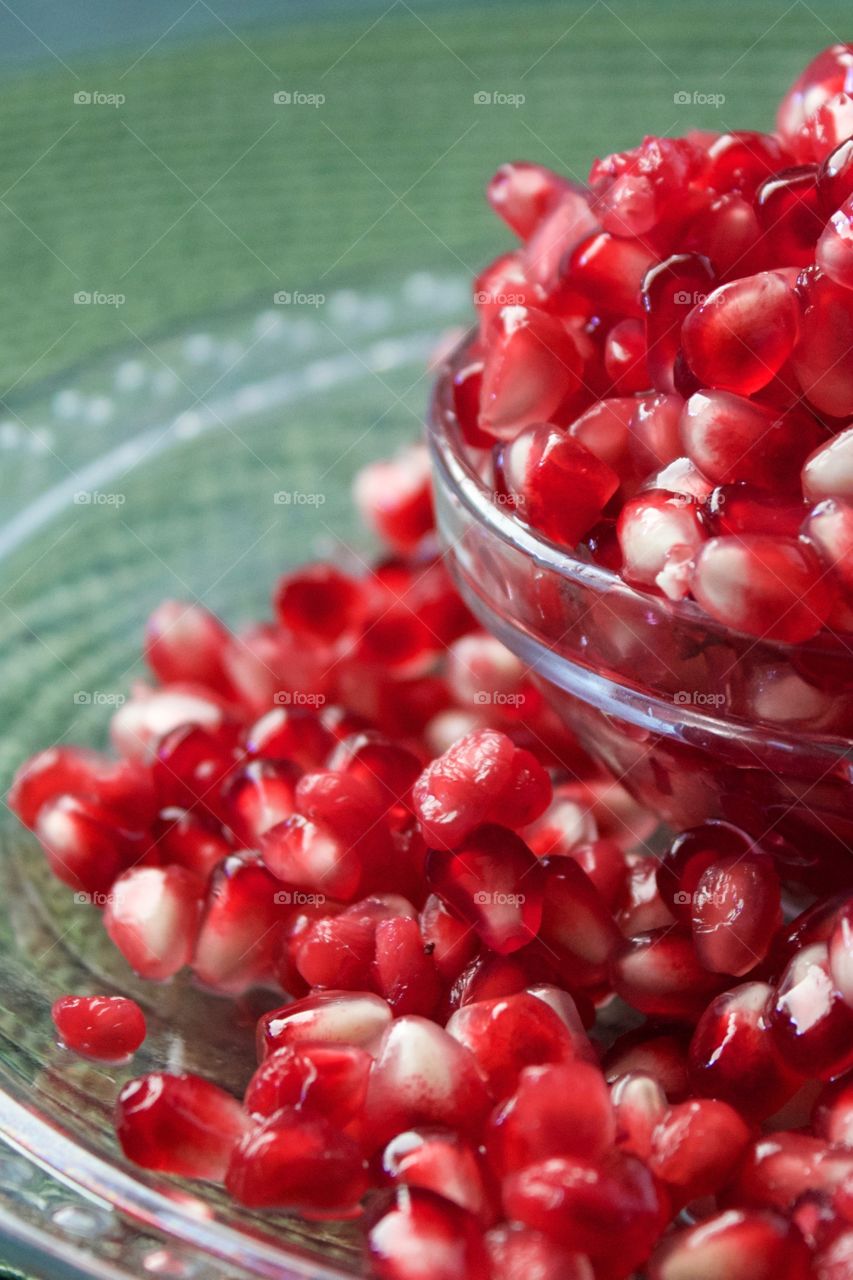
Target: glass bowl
[
  {"x": 200, "y": 466},
  {"x": 697, "y": 720}
]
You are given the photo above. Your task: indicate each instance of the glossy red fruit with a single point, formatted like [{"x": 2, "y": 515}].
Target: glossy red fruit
[
  {"x": 841, "y": 955},
  {"x": 179, "y": 1124},
  {"x": 828, "y": 472},
  {"x": 532, "y": 364},
  {"x": 237, "y": 940},
  {"x": 108, "y": 1028},
  {"x": 86, "y": 846},
  {"x": 826, "y": 335},
  {"x": 610, "y": 1210},
  {"x": 577, "y": 930},
  {"x": 145, "y": 719},
  {"x": 386, "y": 767},
  {"x": 191, "y": 767},
  {"x": 625, "y": 357},
  {"x": 740, "y": 161},
  {"x": 518, "y": 1253},
  {"x": 298, "y": 1162},
  {"x": 338, "y": 950},
  {"x": 603, "y": 428},
  {"x": 318, "y": 602},
  {"x": 452, "y": 943},
  {"x": 745, "y": 508},
  {"x": 652, "y": 528},
  {"x": 655, "y": 432},
  {"x": 774, "y": 588},
  {"x": 727, "y": 232},
  {"x": 185, "y": 840},
  {"x": 439, "y": 1160},
  {"x": 659, "y": 974},
  {"x": 829, "y": 527},
  {"x": 696, "y": 1148},
  {"x": 832, "y": 1118},
  {"x": 828, "y": 73},
  {"x": 834, "y": 254},
  {"x": 483, "y": 775},
  {"x": 328, "y": 1080},
  {"x": 186, "y": 642},
  {"x": 731, "y": 438},
  {"x": 736, "y": 910},
  {"x": 119, "y": 786},
  {"x": 740, "y": 1244},
  {"x": 827, "y": 128},
  {"x": 781, "y": 1167},
  {"x": 258, "y": 796},
  {"x": 555, "y": 483},
  {"x": 558, "y": 1109},
  {"x": 522, "y": 194},
  {"x": 670, "y": 290},
  {"x": 633, "y": 188},
  {"x": 290, "y": 734},
  {"x": 422, "y": 1236},
  {"x": 734, "y": 1057},
  {"x": 403, "y": 969},
  {"x": 153, "y": 916},
  {"x": 835, "y": 179},
  {"x": 660, "y": 1052},
  {"x": 394, "y": 497},
  {"x": 812, "y": 1025},
  {"x": 742, "y": 333},
  {"x": 356, "y": 1018},
  {"x": 639, "y": 1104},
  {"x": 611, "y": 271},
  {"x": 423, "y": 1076},
  {"x": 681, "y": 867},
  {"x": 509, "y": 1033},
  {"x": 788, "y": 208}
]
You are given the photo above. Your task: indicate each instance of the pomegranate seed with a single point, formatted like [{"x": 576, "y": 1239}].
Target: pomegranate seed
[
  {"x": 812, "y": 1025},
  {"x": 550, "y": 247},
  {"x": 835, "y": 180},
  {"x": 557, "y": 1110},
  {"x": 696, "y": 1148},
  {"x": 788, "y": 208},
  {"x": 681, "y": 868},
  {"x": 507, "y": 1034},
  {"x": 439, "y": 1160},
  {"x": 238, "y": 934},
  {"x": 639, "y": 1104},
  {"x": 85, "y": 845},
  {"x": 826, "y": 335},
  {"x": 730, "y": 438},
  {"x": 108, "y": 1028},
  {"x": 625, "y": 357},
  {"x": 423, "y": 1076},
  {"x": 769, "y": 587},
  {"x": 781, "y": 1167},
  {"x": 318, "y": 602},
  {"x": 841, "y": 955},
  {"x": 327, "y": 1017},
  {"x": 188, "y": 841},
  {"x": 451, "y": 942},
  {"x": 742, "y": 333},
  {"x": 145, "y": 719},
  {"x": 517, "y": 1253},
  {"x": 422, "y": 1236},
  {"x": 826, "y": 129},
  {"x": 186, "y": 642},
  {"x": 118, "y": 785},
  {"x": 734, "y": 1058},
  {"x": 328, "y": 1080},
  {"x": 260, "y": 795},
  {"x": 603, "y": 429},
  {"x": 825, "y": 75},
  {"x": 828, "y": 473},
  {"x": 728, "y": 234},
  {"x": 832, "y": 1119},
  {"x": 660, "y": 975},
  {"x": 736, "y": 909},
  {"x": 670, "y": 289},
  {"x": 522, "y": 194},
  {"x": 742, "y": 160},
  {"x": 503, "y": 283},
  {"x": 395, "y": 498},
  {"x": 405, "y": 973},
  {"x": 293, "y": 734},
  {"x": 651, "y": 528},
  {"x": 531, "y": 365},
  {"x": 834, "y": 253},
  {"x": 633, "y": 186},
  {"x": 642, "y": 908},
  {"x": 153, "y": 916},
  {"x": 660, "y": 1054},
  {"x": 608, "y": 1210},
  {"x": 833, "y": 1262},
  {"x": 744, "y": 508},
  {"x": 611, "y": 271},
  {"x": 179, "y": 1124},
  {"x": 576, "y": 926},
  {"x": 468, "y": 388},
  {"x": 190, "y": 769},
  {"x": 739, "y": 1244}
]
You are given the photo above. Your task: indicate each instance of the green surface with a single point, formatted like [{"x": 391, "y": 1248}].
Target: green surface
[{"x": 198, "y": 191}]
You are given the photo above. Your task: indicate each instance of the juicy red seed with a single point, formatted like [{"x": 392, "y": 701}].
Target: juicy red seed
[
  {"x": 660, "y": 975},
  {"x": 237, "y": 939},
  {"x": 506, "y": 1035},
  {"x": 117, "y": 785},
  {"x": 612, "y": 271},
  {"x": 179, "y": 1124},
  {"x": 741, "y": 334},
  {"x": 744, "y": 508},
  {"x": 828, "y": 473},
  {"x": 318, "y": 602},
  {"x": 835, "y": 179},
  {"x": 741, "y": 161},
  {"x": 577, "y": 929},
  {"x": 153, "y": 916},
  {"x": 625, "y": 357},
  {"x": 517, "y": 1253},
  {"x": 727, "y": 232},
  {"x": 259, "y": 795},
  {"x": 740, "y": 1244},
  {"x": 661, "y": 1054},
  {"x": 532, "y": 364},
  {"x": 696, "y": 1148},
  {"x": 670, "y": 289},
  {"x": 788, "y": 208},
  {"x": 549, "y": 249},
  {"x": 382, "y": 764},
  {"x": 403, "y": 971},
  {"x": 191, "y": 767},
  {"x": 556, "y": 1110},
  {"x": 736, "y": 909},
  {"x": 780, "y": 1167},
  {"x": 653, "y": 528},
  {"x": 827, "y": 73},
  {"x": 394, "y": 498},
  {"x": 142, "y": 722},
  {"x": 731, "y": 438},
  {"x": 681, "y": 868},
  {"x": 440, "y": 1161},
  {"x": 639, "y": 1104},
  {"x": 298, "y": 1162},
  {"x": 328, "y": 1017},
  {"x": 826, "y": 336},
  {"x": 109, "y": 1028},
  {"x": 423, "y": 1235},
  {"x": 603, "y": 429},
  {"x": 834, "y": 253},
  {"x": 186, "y": 642},
  {"x": 655, "y": 432},
  {"x": 186, "y": 840},
  {"x": 812, "y": 1025},
  {"x": 328, "y": 1080},
  {"x": 522, "y": 194},
  {"x": 733, "y": 1056},
  {"x": 841, "y": 955},
  {"x": 86, "y": 846},
  {"x": 451, "y": 942},
  {"x": 290, "y": 733}
]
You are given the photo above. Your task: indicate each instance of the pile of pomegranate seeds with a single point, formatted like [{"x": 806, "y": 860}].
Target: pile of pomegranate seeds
[
  {"x": 366, "y": 807},
  {"x": 671, "y": 343}
]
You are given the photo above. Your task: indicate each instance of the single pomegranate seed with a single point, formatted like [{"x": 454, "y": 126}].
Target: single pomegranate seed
[
  {"x": 788, "y": 208},
  {"x": 327, "y": 1017},
  {"x": 835, "y": 180},
  {"x": 404, "y": 971},
  {"x": 145, "y": 719},
  {"x": 293, "y": 734},
  {"x": 696, "y": 1148},
  {"x": 828, "y": 473},
  {"x": 395, "y": 498},
  {"x": 651, "y": 528},
  {"x": 118, "y": 785},
  {"x": 690, "y": 853},
  {"x": 744, "y": 508},
  {"x": 549, "y": 249},
  {"x": 655, "y": 434},
  {"x": 423, "y": 1236},
  {"x": 826, "y": 75},
  {"x": 625, "y": 357},
  {"x": 740, "y": 1244},
  {"x": 834, "y": 253},
  {"x": 86, "y": 846},
  {"x": 108, "y": 1028},
  {"x": 237, "y": 939},
  {"x": 556, "y": 484},
  {"x": 503, "y": 283},
  {"x": 730, "y": 438},
  {"x": 639, "y": 1104},
  {"x": 467, "y": 391},
  {"x": 153, "y": 917},
  {"x": 781, "y": 1167},
  {"x": 660, "y": 975},
  {"x": 186, "y": 642},
  {"x": 179, "y": 1124},
  {"x": 557, "y": 1110},
  {"x": 603, "y": 429},
  {"x": 187, "y": 840},
  {"x": 642, "y": 908},
  {"x": 841, "y": 955},
  {"x": 832, "y": 1118},
  {"x": 328, "y": 1080},
  {"x": 829, "y": 527},
  {"x": 577, "y": 929},
  {"x": 661, "y": 1054},
  {"x": 727, "y": 232},
  {"x": 259, "y": 795},
  {"x": 826, "y": 335},
  {"x": 507, "y": 1034},
  {"x": 191, "y": 767},
  {"x": 670, "y": 290},
  {"x": 532, "y": 364},
  {"x": 517, "y": 1253},
  {"x": 522, "y": 194},
  {"x": 423, "y": 1076},
  {"x": 812, "y": 1025},
  {"x": 742, "y": 333},
  {"x": 439, "y": 1160},
  {"x": 827, "y": 128},
  {"x": 609, "y": 1210},
  {"x": 733, "y": 1056},
  {"x": 633, "y": 187},
  {"x": 736, "y": 910},
  {"x": 611, "y": 271},
  {"x": 740, "y": 161},
  {"x": 452, "y": 943},
  {"x": 770, "y": 587},
  {"x": 318, "y": 602}
]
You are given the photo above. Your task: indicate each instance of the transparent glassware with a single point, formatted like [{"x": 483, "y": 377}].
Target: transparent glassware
[
  {"x": 199, "y": 466},
  {"x": 698, "y": 721}
]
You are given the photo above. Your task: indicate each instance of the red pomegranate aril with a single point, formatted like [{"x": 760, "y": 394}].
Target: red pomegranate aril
[
  {"x": 153, "y": 916},
  {"x": 532, "y": 364},
  {"x": 404, "y": 971},
  {"x": 639, "y": 1104},
  {"x": 610, "y": 1210},
  {"x": 835, "y": 179},
  {"x": 522, "y": 194},
  {"x": 828, "y": 472},
  {"x": 186, "y": 840},
  {"x": 670, "y": 289},
  {"x": 261, "y": 794},
  {"x": 186, "y": 642},
  {"x": 394, "y": 498},
  {"x": 829, "y": 527},
  {"x": 841, "y": 955},
  {"x": 642, "y": 908},
  {"x": 422, "y": 1236},
  {"x": 740, "y": 161},
  {"x": 301, "y": 1163},
  {"x": 423, "y": 1076},
  {"x": 774, "y": 588},
  {"x": 658, "y": 1052},
  {"x": 834, "y": 254},
  {"x": 517, "y": 1253},
  {"x": 603, "y": 429},
  {"x": 388, "y": 768},
  {"x": 107, "y": 1028},
  {"x": 811, "y": 1024},
  {"x": 730, "y": 438},
  {"x": 452, "y": 943},
  {"x": 683, "y": 864},
  {"x": 503, "y": 283},
  {"x": 337, "y": 951},
  {"x": 740, "y": 336},
  {"x": 237, "y": 939},
  {"x": 696, "y": 1148},
  {"x": 733, "y": 1056},
  {"x": 328, "y": 1080},
  {"x": 736, "y": 910},
  {"x": 625, "y": 357},
  {"x": 290, "y": 733},
  {"x": 577, "y": 929},
  {"x": 781, "y": 1167},
  {"x": 611, "y": 271},
  {"x": 740, "y": 1244},
  {"x": 651, "y": 528},
  {"x": 179, "y": 1124},
  {"x": 439, "y": 1160},
  {"x": 356, "y": 1018},
  {"x": 191, "y": 767},
  {"x": 659, "y": 974},
  {"x": 556, "y": 484},
  {"x": 467, "y": 392},
  {"x": 318, "y": 602},
  {"x": 86, "y": 846},
  {"x": 144, "y": 720},
  {"x": 788, "y": 208},
  {"x": 828, "y": 73},
  {"x": 820, "y": 358},
  {"x": 509, "y": 1033},
  {"x": 744, "y": 508},
  {"x": 728, "y": 234},
  {"x": 120, "y": 786},
  {"x": 548, "y": 251},
  {"x": 556, "y": 1110},
  {"x": 825, "y": 130},
  {"x": 832, "y": 1118}
]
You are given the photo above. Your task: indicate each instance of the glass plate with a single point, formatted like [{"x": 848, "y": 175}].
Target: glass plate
[{"x": 197, "y": 466}]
